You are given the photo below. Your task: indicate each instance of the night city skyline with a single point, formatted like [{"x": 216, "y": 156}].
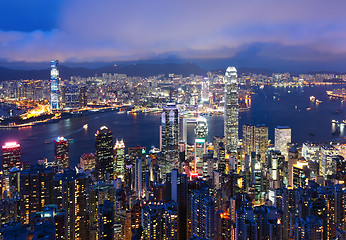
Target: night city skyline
[{"x": 172, "y": 120}]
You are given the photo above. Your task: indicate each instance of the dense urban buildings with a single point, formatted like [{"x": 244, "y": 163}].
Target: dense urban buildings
[{"x": 194, "y": 186}]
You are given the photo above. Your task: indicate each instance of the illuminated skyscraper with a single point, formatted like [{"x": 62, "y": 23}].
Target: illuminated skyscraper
[
  {"x": 104, "y": 154},
  {"x": 255, "y": 139},
  {"x": 231, "y": 110},
  {"x": 71, "y": 189},
  {"x": 11, "y": 157},
  {"x": 201, "y": 137},
  {"x": 170, "y": 136},
  {"x": 61, "y": 152},
  {"x": 119, "y": 155},
  {"x": 36, "y": 190},
  {"x": 282, "y": 138},
  {"x": 54, "y": 77}
]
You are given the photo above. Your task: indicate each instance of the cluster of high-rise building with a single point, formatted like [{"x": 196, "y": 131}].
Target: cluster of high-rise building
[{"x": 230, "y": 187}]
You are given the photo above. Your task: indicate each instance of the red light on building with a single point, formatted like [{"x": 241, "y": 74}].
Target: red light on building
[
  {"x": 225, "y": 215},
  {"x": 193, "y": 176},
  {"x": 10, "y": 145},
  {"x": 11, "y": 158}
]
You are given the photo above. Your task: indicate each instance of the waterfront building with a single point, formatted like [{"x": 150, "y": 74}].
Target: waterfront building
[
  {"x": 119, "y": 156},
  {"x": 201, "y": 141},
  {"x": 83, "y": 97},
  {"x": 61, "y": 158},
  {"x": 11, "y": 158},
  {"x": 54, "y": 86},
  {"x": 104, "y": 154},
  {"x": 231, "y": 110},
  {"x": 282, "y": 138},
  {"x": 170, "y": 136},
  {"x": 255, "y": 139},
  {"x": 71, "y": 97}
]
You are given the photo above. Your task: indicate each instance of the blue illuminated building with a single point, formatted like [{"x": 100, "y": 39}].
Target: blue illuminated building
[{"x": 54, "y": 75}]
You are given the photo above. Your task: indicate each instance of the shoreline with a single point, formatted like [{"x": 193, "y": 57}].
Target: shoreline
[{"x": 63, "y": 115}]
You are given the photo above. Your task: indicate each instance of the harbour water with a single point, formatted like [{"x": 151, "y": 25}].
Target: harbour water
[{"x": 271, "y": 106}]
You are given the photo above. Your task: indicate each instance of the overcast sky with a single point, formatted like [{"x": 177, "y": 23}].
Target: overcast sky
[{"x": 256, "y": 33}]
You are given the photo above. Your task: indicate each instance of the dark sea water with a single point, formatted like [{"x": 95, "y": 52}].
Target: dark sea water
[{"x": 289, "y": 107}]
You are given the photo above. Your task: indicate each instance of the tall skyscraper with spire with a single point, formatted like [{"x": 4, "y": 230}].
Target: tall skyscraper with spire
[
  {"x": 54, "y": 76},
  {"x": 231, "y": 110},
  {"x": 170, "y": 136}
]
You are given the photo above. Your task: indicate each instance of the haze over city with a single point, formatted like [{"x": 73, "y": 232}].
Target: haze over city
[{"x": 280, "y": 35}]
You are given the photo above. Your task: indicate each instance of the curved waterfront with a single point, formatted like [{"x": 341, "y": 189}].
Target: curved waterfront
[{"x": 270, "y": 106}]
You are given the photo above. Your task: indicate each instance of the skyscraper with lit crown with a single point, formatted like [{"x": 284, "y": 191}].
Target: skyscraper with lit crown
[
  {"x": 61, "y": 152},
  {"x": 231, "y": 110},
  {"x": 170, "y": 136},
  {"x": 104, "y": 154},
  {"x": 119, "y": 157},
  {"x": 11, "y": 158},
  {"x": 54, "y": 85},
  {"x": 201, "y": 138}
]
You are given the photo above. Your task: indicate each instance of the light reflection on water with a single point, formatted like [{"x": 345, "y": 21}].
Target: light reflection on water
[{"x": 314, "y": 124}]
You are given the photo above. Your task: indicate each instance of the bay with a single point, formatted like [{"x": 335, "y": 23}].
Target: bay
[{"x": 288, "y": 106}]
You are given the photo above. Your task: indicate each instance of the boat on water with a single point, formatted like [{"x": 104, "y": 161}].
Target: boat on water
[
  {"x": 319, "y": 101},
  {"x": 261, "y": 87},
  {"x": 337, "y": 111},
  {"x": 335, "y": 121},
  {"x": 312, "y": 98},
  {"x": 85, "y": 126}
]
